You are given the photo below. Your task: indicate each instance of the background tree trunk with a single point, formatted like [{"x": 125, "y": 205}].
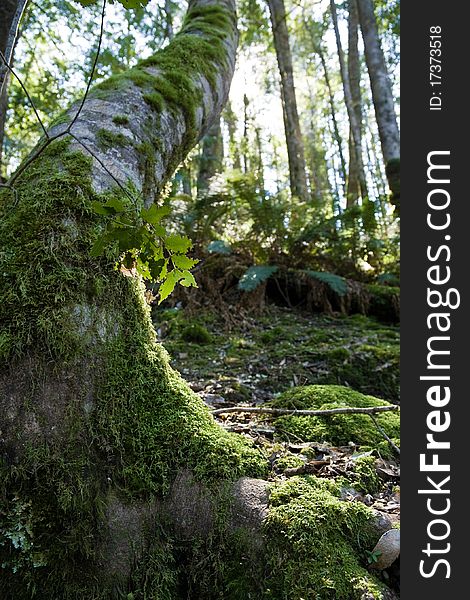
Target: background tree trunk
[
  {"x": 211, "y": 157},
  {"x": 354, "y": 124},
  {"x": 295, "y": 147},
  {"x": 354, "y": 71},
  {"x": 382, "y": 96}
]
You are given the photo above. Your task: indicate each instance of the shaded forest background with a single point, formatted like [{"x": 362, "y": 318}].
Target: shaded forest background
[{"x": 316, "y": 199}]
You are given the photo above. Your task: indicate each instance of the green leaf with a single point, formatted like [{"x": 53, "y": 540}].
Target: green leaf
[
  {"x": 183, "y": 262},
  {"x": 178, "y": 243},
  {"x": 155, "y": 268},
  {"x": 254, "y": 276},
  {"x": 154, "y": 214},
  {"x": 169, "y": 284},
  {"x": 98, "y": 247},
  {"x": 117, "y": 204},
  {"x": 111, "y": 207},
  {"x": 219, "y": 247},
  {"x": 188, "y": 279},
  {"x": 335, "y": 282}
]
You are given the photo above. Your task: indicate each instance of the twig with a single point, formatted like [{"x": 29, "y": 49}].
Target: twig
[
  {"x": 11, "y": 40},
  {"x": 30, "y": 100},
  {"x": 306, "y": 413},
  {"x": 92, "y": 69},
  {"x": 50, "y": 139},
  {"x": 394, "y": 446}
]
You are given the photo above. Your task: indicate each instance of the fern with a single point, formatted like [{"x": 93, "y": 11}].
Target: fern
[
  {"x": 219, "y": 247},
  {"x": 254, "y": 276},
  {"x": 336, "y": 283}
]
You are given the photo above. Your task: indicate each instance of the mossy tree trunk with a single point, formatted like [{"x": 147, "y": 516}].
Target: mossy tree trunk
[
  {"x": 115, "y": 481},
  {"x": 96, "y": 426}
]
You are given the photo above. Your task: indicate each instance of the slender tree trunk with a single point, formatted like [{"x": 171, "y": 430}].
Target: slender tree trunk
[
  {"x": 382, "y": 96},
  {"x": 354, "y": 72},
  {"x": 295, "y": 147},
  {"x": 246, "y": 141},
  {"x": 234, "y": 150},
  {"x": 11, "y": 12},
  {"x": 3, "y": 116},
  {"x": 168, "y": 20},
  {"x": 211, "y": 157},
  {"x": 259, "y": 162},
  {"x": 336, "y": 134},
  {"x": 355, "y": 125}
]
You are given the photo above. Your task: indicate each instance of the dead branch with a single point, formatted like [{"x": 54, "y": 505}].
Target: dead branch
[{"x": 349, "y": 410}]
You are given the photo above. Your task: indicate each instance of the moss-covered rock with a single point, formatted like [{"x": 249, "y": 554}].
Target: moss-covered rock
[
  {"x": 196, "y": 334},
  {"x": 336, "y": 429},
  {"x": 317, "y": 543}
]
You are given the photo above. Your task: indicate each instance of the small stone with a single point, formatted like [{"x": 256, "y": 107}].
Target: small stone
[{"x": 387, "y": 549}]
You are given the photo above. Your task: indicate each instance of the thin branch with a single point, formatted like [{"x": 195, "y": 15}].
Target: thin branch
[
  {"x": 306, "y": 413},
  {"x": 30, "y": 100},
  {"x": 50, "y": 139},
  {"x": 382, "y": 432},
  {"x": 92, "y": 70},
  {"x": 12, "y": 38}
]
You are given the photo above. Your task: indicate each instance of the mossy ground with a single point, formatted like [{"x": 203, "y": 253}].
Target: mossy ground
[{"x": 280, "y": 348}]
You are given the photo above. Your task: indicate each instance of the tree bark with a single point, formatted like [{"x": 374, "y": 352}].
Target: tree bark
[
  {"x": 382, "y": 96},
  {"x": 295, "y": 146},
  {"x": 211, "y": 157},
  {"x": 354, "y": 71},
  {"x": 334, "y": 120},
  {"x": 354, "y": 124}
]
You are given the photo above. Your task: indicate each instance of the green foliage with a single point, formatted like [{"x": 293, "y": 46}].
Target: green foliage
[
  {"x": 335, "y": 282},
  {"x": 255, "y": 276},
  {"x": 143, "y": 244}
]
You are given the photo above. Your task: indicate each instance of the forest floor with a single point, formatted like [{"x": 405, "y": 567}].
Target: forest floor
[{"x": 275, "y": 353}]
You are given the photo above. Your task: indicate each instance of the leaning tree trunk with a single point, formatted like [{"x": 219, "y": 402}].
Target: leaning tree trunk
[
  {"x": 115, "y": 481},
  {"x": 96, "y": 427},
  {"x": 382, "y": 96},
  {"x": 295, "y": 146}
]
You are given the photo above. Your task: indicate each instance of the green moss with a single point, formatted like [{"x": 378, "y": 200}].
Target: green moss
[
  {"x": 289, "y": 461},
  {"x": 108, "y": 139},
  {"x": 315, "y": 541},
  {"x": 367, "y": 479},
  {"x": 120, "y": 120},
  {"x": 335, "y": 429},
  {"x": 196, "y": 334}
]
